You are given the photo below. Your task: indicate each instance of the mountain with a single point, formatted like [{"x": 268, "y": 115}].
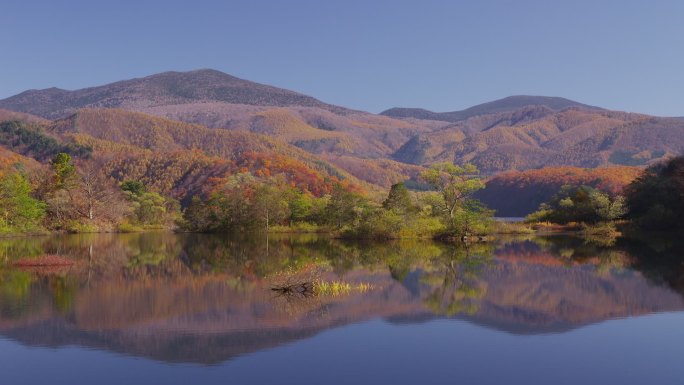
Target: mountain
[
  {"x": 168, "y": 88},
  {"x": 514, "y": 133},
  {"x": 530, "y": 132},
  {"x": 538, "y": 136},
  {"x": 507, "y": 104},
  {"x": 217, "y": 100}
]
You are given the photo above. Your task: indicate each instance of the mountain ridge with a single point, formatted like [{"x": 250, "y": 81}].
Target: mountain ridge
[
  {"x": 536, "y": 137},
  {"x": 506, "y": 104},
  {"x": 514, "y": 133},
  {"x": 170, "y": 87}
]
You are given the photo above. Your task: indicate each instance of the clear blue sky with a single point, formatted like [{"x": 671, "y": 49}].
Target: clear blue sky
[{"x": 370, "y": 55}]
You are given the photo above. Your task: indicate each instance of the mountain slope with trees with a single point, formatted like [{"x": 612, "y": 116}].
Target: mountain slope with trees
[
  {"x": 155, "y": 149},
  {"x": 537, "y": 136},
  {"x": 213, "y": 99},
  {"x": 98, "y": 169},
  {"x": 518, "y": 193},
  {"x": 514, "y": 133}
]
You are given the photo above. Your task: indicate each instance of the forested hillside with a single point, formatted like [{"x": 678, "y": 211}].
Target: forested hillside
[
  {"x": 178, "y": 158},
  {"x": 514, "y": 133},
  {"x": 518, "y": 193},
  {"x": 107, "y": 169},
  {"x": 6, "y": 115},
  {"x": 171, "y": 157},
  {"x": 183, "y": 133},
  {"x": 537, "y": 136},
  {"x": 217, "y": 100}
]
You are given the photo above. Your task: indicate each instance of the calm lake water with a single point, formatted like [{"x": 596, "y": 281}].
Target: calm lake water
[{"x": 161, "y": 308}]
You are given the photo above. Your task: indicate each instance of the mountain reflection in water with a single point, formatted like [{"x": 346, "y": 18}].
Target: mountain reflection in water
[{"x": 207, "y": 299}]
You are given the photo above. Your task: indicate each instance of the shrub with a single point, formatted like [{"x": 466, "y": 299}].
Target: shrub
[{"x": 127, "y": 227}]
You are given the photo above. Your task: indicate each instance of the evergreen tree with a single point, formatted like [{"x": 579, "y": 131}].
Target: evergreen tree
[
  {"x": 399, "y": 199},
  {"x": 64, "y": 170},
  {"x": 134, "y": 187}
]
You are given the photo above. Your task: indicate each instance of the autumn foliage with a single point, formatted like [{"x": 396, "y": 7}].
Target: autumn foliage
[
  {"x": 518, "y": 193},
  {"x": 178, "y": 158}
]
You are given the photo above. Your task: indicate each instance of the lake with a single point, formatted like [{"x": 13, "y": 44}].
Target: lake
[{"x": 161, "y": 308}]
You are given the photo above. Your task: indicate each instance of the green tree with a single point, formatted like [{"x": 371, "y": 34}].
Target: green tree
[
  {"x": 655, "y": 198},
  {"x": 243, "y": 202},
  {"x": 377, "y": 224},
  {"x": 472, "y": 217},
  {"x": 399, "y": 199},
  {"x": 148, "y": 208},
  {"x": 134, "y": 187},
  {"x": 64, "y": 169},
  {"x": 608, "y": 209},
  {"x": 301, "y": 207},
  {"x": 19, "y": 210},
  {"x": 270, "y": 204},
  {"x": 344, "y": 207},
  {"x": 457, "y": 185},
  {"x": 581, "y": 204}
]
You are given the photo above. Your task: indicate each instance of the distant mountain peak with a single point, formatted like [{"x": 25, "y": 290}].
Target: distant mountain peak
[
  {"x": 205, "y": 71},
  {"x": 509, "y": 103},
  {"x": 49, "y": 91},
  {"x": 166, "y": 88},
  {"x": 199, "y": 74}
]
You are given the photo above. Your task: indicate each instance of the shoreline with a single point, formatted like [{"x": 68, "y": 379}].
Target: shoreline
[{"x": 502, "y": 229}]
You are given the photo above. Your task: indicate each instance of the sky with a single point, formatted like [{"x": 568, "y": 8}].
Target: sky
[{"x": 368, "y": 55}]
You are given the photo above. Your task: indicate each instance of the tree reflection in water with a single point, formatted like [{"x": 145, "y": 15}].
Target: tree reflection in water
[
  {"x": 142, "y": 292},
  {"x": 454, "y": 278}
]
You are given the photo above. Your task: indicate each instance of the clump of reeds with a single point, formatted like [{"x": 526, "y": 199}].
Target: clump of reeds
[
  {"x": 338, "y": 288},
  {"x": 291, "y": 283},
  {"x": 307, "y": 283}
]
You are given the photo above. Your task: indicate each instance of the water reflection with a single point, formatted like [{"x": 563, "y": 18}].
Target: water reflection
[{"x": 207, "y": 299}]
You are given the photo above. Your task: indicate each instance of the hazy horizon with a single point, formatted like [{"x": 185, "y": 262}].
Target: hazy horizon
[{"x": 441, "y": 57}]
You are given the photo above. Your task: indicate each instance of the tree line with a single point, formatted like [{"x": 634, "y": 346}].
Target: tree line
[
  {"x": 78, "y": 198},
  {"x": 653, "y": 202},
  {"x": 82, "y": 197},
  {"x": 245, "y": 201}
]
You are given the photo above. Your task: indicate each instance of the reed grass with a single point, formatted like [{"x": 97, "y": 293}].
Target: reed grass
[{"x": 338, "y": 288}]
